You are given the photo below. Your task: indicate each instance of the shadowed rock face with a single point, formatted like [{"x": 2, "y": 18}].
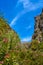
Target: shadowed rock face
[{"x": 38, "y": 28}]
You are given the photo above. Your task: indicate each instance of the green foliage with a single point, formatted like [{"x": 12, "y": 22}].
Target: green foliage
[
  {"x": 9, "y": 44},
  {"x": 12, "y": 52}
]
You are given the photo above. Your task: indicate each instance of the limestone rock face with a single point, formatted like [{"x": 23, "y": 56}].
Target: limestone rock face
[{"x": 38, "y": 28}]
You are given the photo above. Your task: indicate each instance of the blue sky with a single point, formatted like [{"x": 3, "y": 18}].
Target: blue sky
[{"x": 20, "y": 15}]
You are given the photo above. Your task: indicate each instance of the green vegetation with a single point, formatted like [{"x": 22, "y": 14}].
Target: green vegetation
[{"x": 12, "y": 52}]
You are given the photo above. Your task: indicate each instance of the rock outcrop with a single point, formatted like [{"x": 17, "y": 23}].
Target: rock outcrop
[{"x": 38, "y": 28}]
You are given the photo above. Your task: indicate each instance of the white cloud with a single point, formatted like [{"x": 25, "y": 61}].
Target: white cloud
[
  {"x": 26, "y": 39},
  {"x": 26, "y": 3},
  {"x": 27, "y": 7},
  {"x": 28, "y": 27},
  {"x": 14, "y": 21}
]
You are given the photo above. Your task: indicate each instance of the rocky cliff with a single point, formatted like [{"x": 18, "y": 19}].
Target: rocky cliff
[{"x": 38, "y": 28}]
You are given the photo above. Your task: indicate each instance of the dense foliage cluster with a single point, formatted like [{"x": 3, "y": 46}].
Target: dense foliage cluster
[{"x": 12, "y": 52}]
